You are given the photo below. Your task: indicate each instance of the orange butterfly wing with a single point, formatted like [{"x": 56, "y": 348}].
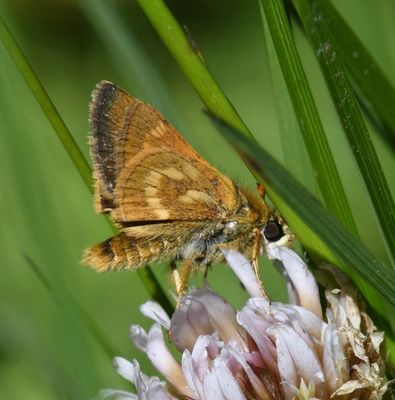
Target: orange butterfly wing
[{"x": 144, "y": 169}]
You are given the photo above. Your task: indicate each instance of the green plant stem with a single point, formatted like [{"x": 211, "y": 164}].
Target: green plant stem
[
  {"x": 349, "y": 252},
  {"x": 191, "y": 63},
  {"x": 196, "y": 70},
  {"x": 314, "y": 19},
  {"x": 147, "y": 277},
  {"x": 46, "y": 105},
  {"x": 374, "y": 90},
  {"x": 306, "y": 112},
  {"x": 296, "y": 157}
]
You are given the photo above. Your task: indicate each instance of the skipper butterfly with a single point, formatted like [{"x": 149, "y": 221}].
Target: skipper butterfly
[{"x": 167, "y": 201}]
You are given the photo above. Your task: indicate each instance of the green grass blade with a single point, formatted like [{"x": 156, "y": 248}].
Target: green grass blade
[
  {"x": 217, "y": 103},
  {"x": 374, "y": 90},
  {"x": 314, "y": 19},
  {"x": 295, "y": 155},
  {"x": 147, "y": 277},
  {"x": 46, "y": 104},
  {"x": 307, "y": 115},
  {"x": 191, "y": 63},
  {"x": 346, "y": 250}
]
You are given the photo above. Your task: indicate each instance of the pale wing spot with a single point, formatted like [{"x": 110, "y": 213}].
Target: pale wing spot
[
  {"x": 162, "y": 213},
  {"x": 158, "y": 131},
  {"x": 154, "y": 202},
  {"x": 195, "y": 195},
  {"x": 189, "y": 170},
  {"x": 186, "y": 199},
  {"x": 151, "y": 191},
  {"x": 173, "y": 173},
  {"x": 155, "y": 133},
  {"x": 153, "y": 178}
]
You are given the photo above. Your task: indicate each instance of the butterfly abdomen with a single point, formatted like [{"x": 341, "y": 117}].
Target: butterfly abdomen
[{"x": 121, "y": 251}]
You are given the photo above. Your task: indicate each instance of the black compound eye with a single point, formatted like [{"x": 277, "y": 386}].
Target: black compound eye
[{"x": 273, "y": 231}]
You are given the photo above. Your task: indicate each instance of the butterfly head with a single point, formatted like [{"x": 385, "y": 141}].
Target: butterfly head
[{"x": 276, "y": 232}]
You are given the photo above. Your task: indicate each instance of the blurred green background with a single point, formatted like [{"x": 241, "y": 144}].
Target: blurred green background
[{"x": 47, "y": 350}]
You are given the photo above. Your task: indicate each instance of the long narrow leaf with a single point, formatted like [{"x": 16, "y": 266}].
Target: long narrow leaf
[
  {"x": 217, "y": 104},
  {"x": 296, "y": 158},
  {"x": 46, "y": 104},
  {"x": 348, "y": 250},
  {"x": 191, "y": 63},
  {"x": 147, "y": 277},
  {"x": 314, "y": 19},
  {"x": 307, "y": 115},
  {"x": 374, "y": 90}
]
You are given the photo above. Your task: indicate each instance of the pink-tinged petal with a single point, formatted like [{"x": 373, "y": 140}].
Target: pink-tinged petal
[
  {"x": 287, "y": 369},
  {"x": 125, "y": 368},
  {"x": 244, "y": 271},
  {"x": 254, "y": 358},
  {"x": 259, "y": 388},
  {"x": 154, "y": 311},
  {"x": 196, "y": 365},
  {"x": 302, "y": 279},
  {"x": 157, "y": 391},
  {"x": 289, "y": 316},
  {"x": 292, "y": 295},
  {"x": 252, "y": 319},
  {"x": 296, "y": 359},
  {"x": 142, "y": 384},
  {"x": 139, "y": 337},
  {"x": 203, "y": 312},
  {"x": 116, "y": 394},
  {"x": 192, "y": 378},
  {"x": 205, "y": 350},
  {"x": 312, "y": 324},
  {"x": 163, "y": 361},
  {"x": 335, "y": 364},
  {"x": 227, "y": 383},
  {"x": 211, "y": 388}
]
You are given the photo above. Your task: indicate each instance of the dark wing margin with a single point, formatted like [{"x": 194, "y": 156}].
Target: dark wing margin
[{"x": 102, "y": 139}]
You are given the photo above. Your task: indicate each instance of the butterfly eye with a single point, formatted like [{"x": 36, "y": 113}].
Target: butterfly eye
[{"x": 273, "y": 231}]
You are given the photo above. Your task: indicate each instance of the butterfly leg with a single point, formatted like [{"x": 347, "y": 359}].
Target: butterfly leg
[
  {"x": 255, "y": 263},
  {"x": 206, "y": 269},
  {"x": 176, "y": 276},
  {"x": 186, "y": 271}
]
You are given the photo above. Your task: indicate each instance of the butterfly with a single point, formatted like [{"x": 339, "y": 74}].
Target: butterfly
[{"x": 166, "y": 200}]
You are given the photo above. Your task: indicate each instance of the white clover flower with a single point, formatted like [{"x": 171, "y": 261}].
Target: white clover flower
[{"x": 266, "y": 350}]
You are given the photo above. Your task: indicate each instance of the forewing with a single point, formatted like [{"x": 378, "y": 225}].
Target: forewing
[{"x": 145, "y": 170}]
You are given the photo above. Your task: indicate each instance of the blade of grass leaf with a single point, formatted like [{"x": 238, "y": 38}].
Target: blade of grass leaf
[
  {"x": 46, "y": 104},
  {"x": 307, "y": 115},
  {"x": 374, "y": 90},
  {"x": 217, "y": 104},
  {"x": 345, "y": 248},
  {"x": 312, "y": 223},
  {"x": 148, "y": 279},
  {"x": 296, "y": 158},
  {"x": 314, "y": 20},
  {"x": 191, "y": 63}
]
